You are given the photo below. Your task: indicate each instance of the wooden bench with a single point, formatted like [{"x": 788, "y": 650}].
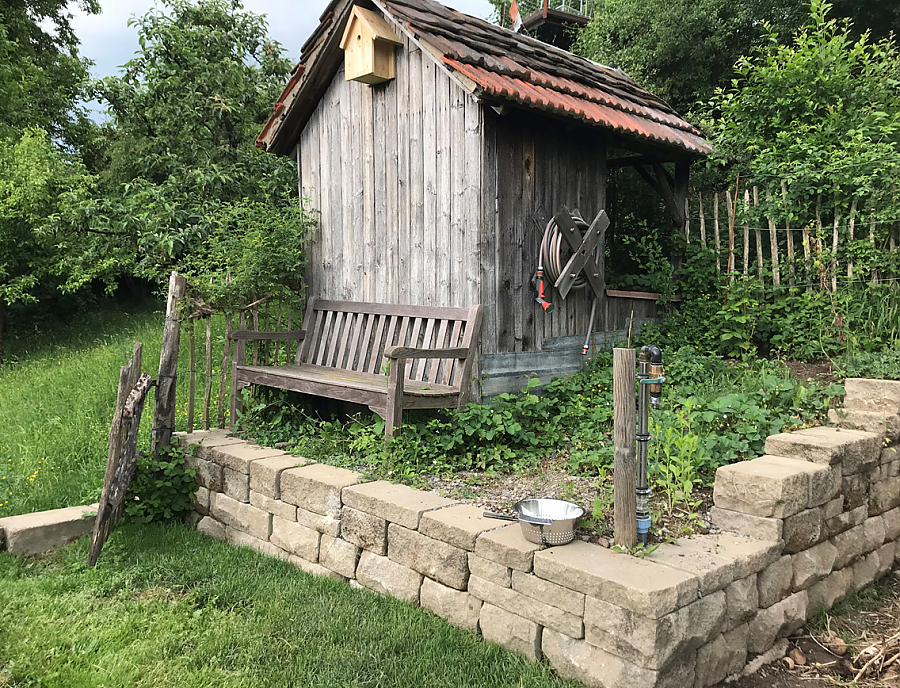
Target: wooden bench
[{"x": 352, "y": 351}]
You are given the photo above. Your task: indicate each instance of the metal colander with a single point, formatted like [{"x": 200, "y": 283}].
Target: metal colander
[{"x": 545, "y": 521}]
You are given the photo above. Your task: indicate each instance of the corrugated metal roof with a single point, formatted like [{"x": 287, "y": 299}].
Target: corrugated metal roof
[{"x": 502, "y": 66}]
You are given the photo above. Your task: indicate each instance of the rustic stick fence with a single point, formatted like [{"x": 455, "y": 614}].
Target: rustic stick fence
[{"x": 768, "y": 246}]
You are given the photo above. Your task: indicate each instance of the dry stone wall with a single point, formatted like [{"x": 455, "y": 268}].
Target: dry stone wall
[{"x": 813, "y": 520}]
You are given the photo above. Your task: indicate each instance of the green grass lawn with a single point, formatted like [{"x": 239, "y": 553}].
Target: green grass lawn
[{"x": 167, "y": 606}]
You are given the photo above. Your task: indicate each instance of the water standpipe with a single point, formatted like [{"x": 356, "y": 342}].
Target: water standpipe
[{"x": 650, "y": 380}]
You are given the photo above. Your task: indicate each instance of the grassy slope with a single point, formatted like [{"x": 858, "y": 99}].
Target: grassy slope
[
  {"x": 167, "y": 606},
  {"x": 56, "y": 403}
]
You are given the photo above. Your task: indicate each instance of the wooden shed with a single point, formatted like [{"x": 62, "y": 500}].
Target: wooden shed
[{"x": 433, "y": 186}]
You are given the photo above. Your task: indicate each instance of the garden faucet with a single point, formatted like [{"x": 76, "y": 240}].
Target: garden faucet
[{"x": 650, "y": 379}]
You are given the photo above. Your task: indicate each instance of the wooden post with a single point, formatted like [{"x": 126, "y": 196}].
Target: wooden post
[
  {"x": 687, "y": 220},
  {"x": 792, "y": 268},
  {"x": 872, "y": 241},
  {"x": 207, "y": 391},
  {"x": 223, "y": 377},
  {"x": 624, "y": 429},
  {"x": 746, "y": 233},
  {"x": 729, "y": 209},
  {"x": 191, "y": 391},
  {"x": 851, "y": 227},
  {"x": 834, "y": 248},
  {"x": 759, "y": 248},
  {"x": 703, "y": 224},
  {"x": 773, "y": 241},
  {"x": 164, "y": 413}
]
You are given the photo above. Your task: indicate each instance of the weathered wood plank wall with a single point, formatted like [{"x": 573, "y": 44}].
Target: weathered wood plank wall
[
  {"x": 394, "y": 172},
  {"x": 532, "y": 166}
]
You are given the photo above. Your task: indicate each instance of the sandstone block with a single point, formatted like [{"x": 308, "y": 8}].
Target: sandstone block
[
  {"x": 756, "y": 527},
  {"x": 394, "y": 503},
  {"x": 438, "y": 560},
  {"x": 850, "y": 545},
  {"x": 324, "y": 524},
  {"x": 316, "y": 569},
  {"x": 498, "y": 574},
  {"x": 265, "y": 474},
  {"x": 199, "y": 440},
  {"x": 873, "y": 532},
  {"x": 388, "y": 578},
  {"x": 884, "y": 495},
  {"x": 891, "y": 521},
  {"x": 846, "y": 520},
  {"x": 833, "y": 508},
  {"x": 891, "y": 455},
  {"x": 640, "y": 585},
  {"x": 338, "y": 555},
  {"x": 459, "y": 608},
  {"x": 824, "y": 485},
  {"x": 316, "y": 487},
  {"x": 718, "y": 559},
  {"x": 457, "y": 525},
  {"x": 777, "y": 621},
  {"x": 774, "y": 582},
  {"x": 813, "y": 564},
  {"x": 237, "y": 485},
  {"x": 865, "y": 570},
  {"x": 242, "y": 539},
  {"x": 884, "y": 424},
  {"x": 654, "y": 643},
  {"x": 508, "y": 547},
  {"x": 863, "y": 393},
  {"x": 827, "y": 446},
  {"x": 295, "y": 539},
  {"x": 527, "y": 607},
  {"x": 240, "y": 516},
  {"x": 855, "y": 489},
  {"x": 548, "y": 593},
  {"x": 276, "y": 507},
  {"x": 770, "y": 486},
  {"x": 886, "y": 557},
  {"x": 742, "y": 599},
  {"x": 834, "y": 587},
  {"x": 579, "y": 660},
  {"x": 40, "y": 532},
  {"x": 723, "y": 657},
  {"x": 364, "y": 530},
  {"x": 803, "y": 530},
  {"x": 210, "y": 526},
  {"x": 238, "y": 457},
  {"x": 201, "y": 501},
  {"x": 208, "y": 474},
  {"x": 511, "y": 631}
]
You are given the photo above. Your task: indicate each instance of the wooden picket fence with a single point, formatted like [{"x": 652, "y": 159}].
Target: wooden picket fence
[{"x": 782, "y": 252}]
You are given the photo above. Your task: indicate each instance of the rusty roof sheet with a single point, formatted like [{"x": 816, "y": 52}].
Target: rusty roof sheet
[{"x": 502, "y": 66}]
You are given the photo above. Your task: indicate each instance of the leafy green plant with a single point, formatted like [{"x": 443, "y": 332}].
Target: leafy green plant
[
  {"x": 163, "y": 488},
  {"x": 676, "y": 459}
]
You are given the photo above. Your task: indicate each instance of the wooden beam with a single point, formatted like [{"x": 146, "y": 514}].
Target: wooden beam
[{"x": 625, "y": 448}]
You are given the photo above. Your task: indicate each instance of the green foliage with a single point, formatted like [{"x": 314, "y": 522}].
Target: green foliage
[
  {"x": 882, "y": 365},
  {"x": 163, "y": 487}
]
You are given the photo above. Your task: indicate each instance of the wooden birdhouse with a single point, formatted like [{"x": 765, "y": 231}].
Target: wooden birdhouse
[{"x": 368, "y": 45}]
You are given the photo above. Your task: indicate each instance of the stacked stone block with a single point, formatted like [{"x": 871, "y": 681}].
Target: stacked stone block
[{"x": 801, "y": 527}]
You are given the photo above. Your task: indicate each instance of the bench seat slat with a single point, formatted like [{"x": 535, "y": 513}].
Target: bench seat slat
[
  {"x": 391, "y": 309},
  {"x": 348, "y": 378}
]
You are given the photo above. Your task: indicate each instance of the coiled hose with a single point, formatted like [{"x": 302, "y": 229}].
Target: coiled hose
[{"x": 551, "y": 258}]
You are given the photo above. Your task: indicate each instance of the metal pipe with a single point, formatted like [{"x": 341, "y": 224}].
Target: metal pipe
[
  {"x": 587, "y": 340},
  {"x": 642, "y": 489}
]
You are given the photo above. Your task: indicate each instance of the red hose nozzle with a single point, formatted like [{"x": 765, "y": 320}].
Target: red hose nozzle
[{"x": 546, "y": 305}]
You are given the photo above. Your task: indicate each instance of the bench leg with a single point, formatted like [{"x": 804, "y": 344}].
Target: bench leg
[{"x": 393, "y": 417}]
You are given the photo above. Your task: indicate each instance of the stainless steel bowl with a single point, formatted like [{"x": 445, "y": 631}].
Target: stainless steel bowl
[{"x": 545, "y": 521}]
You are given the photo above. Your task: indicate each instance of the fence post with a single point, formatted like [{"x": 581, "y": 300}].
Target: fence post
[
  {"x": 164, "y": 413},
  {"x": 624, "y": 438}
]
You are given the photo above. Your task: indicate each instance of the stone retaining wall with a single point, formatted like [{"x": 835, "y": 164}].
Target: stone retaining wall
[{"x": 813, "y": 520}]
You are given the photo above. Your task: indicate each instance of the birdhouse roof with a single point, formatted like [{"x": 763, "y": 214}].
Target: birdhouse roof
[
  {"x": 376, "y": 27},
  {"x": 494, "y": 64}
]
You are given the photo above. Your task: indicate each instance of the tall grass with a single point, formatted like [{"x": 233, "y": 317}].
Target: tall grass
[{"x": 57, "y": 396}]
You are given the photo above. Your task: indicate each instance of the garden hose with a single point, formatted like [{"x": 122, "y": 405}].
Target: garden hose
[{"x": 551, "y": 254}]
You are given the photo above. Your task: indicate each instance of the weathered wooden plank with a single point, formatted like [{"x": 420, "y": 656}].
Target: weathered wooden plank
[
  {"x": 375, "y": 355},
  {"x": 391, "y": 277},
  {"x": 401, "y": 275},
  {"x": 472, "y": 219},
  {"x": 443, "y": 231},
  {"x": 419, "y": 147},
  {"x": 625, "y": 449},
  {"x": 426, "y": 275},
  {"x": 456, "y": 182},
  {"x": 164, "y": 413},
  {"x": 322, "y": 338},
  {"x": 488, "y": 244},
  {"x": 390, "y": 309}
]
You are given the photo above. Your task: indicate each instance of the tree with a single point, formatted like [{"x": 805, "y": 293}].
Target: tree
[{"x": 42, "y": 77}]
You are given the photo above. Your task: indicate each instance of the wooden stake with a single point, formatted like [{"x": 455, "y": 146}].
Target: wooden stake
[
  {"x": 192, "y": 373},
  {"x": 872, "y": 241},
  {"x": 834, "y": 248},
  {"x": 823, "y": 282},
  {"x": 226, "y": 352},
  {"x": 792, "y": 268},
  {"x": 207, "y": 392},
  {"x": 807, "y": 257},
  {"x": 716, "y": 231},
  {"x": 164, "y": 413},
  {"x": 729, "y": 208},
  {"x": 624, "y": 429},
  {"x": 760, "y": 260},
  {"x": 746, "y": 233},
  {"x": 687, "y": 219},
  {"x": 255, "y": 312},
  {"x": 703, "y": 226},
  {"x": 773, "y": 242}
]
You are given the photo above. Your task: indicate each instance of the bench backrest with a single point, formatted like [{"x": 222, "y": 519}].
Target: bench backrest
[{"x": 353, "y": 335}]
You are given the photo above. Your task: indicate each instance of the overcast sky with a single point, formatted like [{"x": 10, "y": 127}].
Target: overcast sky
[{"x": 109, "y": 41}]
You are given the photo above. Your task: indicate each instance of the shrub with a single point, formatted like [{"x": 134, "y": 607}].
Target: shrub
[{"x": 163, "y": 488}]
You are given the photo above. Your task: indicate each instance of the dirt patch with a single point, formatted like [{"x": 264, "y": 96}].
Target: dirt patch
[{"x": 814, "y": 371}]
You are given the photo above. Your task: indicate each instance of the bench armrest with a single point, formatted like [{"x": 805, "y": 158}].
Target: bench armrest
[
  {"x": 252, "y": 335},
  {"x": 394, "y": 352}
]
